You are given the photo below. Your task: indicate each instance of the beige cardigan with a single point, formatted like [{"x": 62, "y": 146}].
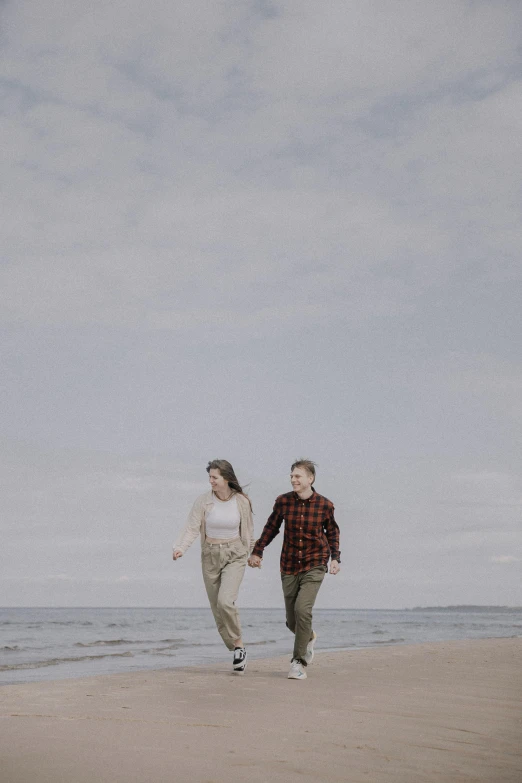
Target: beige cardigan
[{"x": 198, "y": 514}]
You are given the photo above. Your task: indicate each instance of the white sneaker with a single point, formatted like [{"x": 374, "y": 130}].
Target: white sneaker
[
  {"x": 297, "y": 671},
  {"x": 309, "y": 654},
  {"x": 240, "y": 660}
]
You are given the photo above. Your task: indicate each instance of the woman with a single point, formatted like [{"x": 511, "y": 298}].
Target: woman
[{"x": 223, "y": 518}]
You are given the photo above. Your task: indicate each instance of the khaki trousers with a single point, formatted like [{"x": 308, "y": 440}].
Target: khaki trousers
[
  {"x": 300, "y": 592},
  {"x": 223, "y": 568}
]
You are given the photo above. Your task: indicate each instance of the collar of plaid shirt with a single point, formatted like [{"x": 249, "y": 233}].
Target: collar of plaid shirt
[{"x": 312, "y": 497}]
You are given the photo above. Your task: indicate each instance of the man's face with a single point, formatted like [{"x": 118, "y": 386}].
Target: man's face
[{"x": 301, "y": 480}]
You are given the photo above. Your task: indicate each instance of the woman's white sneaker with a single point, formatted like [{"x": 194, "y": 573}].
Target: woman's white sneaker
[
  {"x": 297, "y": 671},
  {"x": 309, "y": 654},
  {"x": 240, "y": 660}
]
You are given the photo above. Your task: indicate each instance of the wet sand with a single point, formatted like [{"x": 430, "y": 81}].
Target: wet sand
[{"x": 428, "y": 713}]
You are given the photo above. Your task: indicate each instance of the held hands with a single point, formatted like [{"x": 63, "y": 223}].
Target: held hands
[
  {"x": 254, "y": 561},
  {"x": 177, "y": 554}
]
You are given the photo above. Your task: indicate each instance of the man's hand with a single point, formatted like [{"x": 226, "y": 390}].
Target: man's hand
[
  {"x": 176, "y": 554},
  {"x": 334, "y": 567},
  {"x": 254, "y": 561}
]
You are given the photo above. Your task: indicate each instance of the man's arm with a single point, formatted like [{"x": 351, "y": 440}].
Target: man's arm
[
  {"x": 331, "y": 529},
  {"x": 270, "y": 531}
]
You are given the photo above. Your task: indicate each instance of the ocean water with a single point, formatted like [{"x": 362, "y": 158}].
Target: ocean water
[{"x": 49, "y": 644}]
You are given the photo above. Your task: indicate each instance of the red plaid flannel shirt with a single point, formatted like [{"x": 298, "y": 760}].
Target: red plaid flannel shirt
[{"x": 311, "y": 533}]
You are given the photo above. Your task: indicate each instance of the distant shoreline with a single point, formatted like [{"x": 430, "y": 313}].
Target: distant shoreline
[
  {"x": 448, "y": 608},
  {"x": 465, "y": 608}
]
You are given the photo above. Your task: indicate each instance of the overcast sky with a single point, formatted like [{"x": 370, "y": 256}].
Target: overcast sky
[{"x": 257, "y": 230}]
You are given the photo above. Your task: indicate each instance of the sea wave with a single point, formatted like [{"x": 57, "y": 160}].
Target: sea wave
[
  {"x": 126, "y": 624},
  {"x": 111, "y": 642},
  {"x": 266, "y": 641},
  {"x": 390, "y": 641},
  {"x": 172, "y": 641},
  {"x": 58, "y": 661},
  {"x": 42, "y": 623},
  {"x": 178, "y": 645}
]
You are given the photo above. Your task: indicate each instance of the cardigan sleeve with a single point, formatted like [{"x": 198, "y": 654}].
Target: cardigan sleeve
[
  {"x": 249, "y": 523},
  {"x": 193, "y": 527}
]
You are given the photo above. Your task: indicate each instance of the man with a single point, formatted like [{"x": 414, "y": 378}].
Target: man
[{"x": 311, "y": 538}]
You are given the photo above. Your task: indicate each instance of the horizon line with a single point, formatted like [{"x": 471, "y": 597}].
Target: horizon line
[{"x": 280, "y": 607}]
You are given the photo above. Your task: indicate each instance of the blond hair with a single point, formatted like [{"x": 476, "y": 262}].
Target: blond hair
[{"x": 307, "y": 464}]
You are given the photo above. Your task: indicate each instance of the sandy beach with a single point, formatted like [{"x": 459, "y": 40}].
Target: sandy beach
[{"x": 440, "y": 713}]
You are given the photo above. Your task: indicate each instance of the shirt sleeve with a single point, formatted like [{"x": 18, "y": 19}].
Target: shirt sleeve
[
  {"x": 331, "y": 529},
  {"x": 270, "y": 530}
]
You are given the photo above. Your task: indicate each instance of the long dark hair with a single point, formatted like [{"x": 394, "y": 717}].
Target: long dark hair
[{"x": 227, "y": 471}]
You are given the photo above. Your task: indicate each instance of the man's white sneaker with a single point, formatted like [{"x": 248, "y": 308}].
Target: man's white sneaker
[
  {"x": 309, "y": 654},
  {"x": 240, "y": 660},
  {"x": 297, "y": 671}
]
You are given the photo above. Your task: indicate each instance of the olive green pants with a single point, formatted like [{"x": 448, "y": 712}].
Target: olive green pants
[{"x": 300, "y": 592}]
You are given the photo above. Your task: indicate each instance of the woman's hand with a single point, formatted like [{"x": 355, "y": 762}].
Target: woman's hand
[
  {"x": 177, "y": 554},
  {"x": 254, "y": 561}
]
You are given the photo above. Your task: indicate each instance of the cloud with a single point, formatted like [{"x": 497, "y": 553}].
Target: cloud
[
  {"x": 126, "y": 211},
  {"x": 312, "y": 50},
  {"x": 506, "y": 559}
]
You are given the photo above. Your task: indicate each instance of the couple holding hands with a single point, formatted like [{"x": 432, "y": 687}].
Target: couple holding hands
[{"x": 223, "y": 519}]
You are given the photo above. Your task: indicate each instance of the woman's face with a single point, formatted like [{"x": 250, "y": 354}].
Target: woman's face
[{"x": 217, "y": 482}]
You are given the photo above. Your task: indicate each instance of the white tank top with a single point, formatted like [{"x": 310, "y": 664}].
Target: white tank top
[{"x": 223, "y": 519}]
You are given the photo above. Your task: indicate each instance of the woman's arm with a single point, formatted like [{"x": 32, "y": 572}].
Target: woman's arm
[
  {"x": 247, "y": 518},
  {"x": 192, "y": 529}
]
